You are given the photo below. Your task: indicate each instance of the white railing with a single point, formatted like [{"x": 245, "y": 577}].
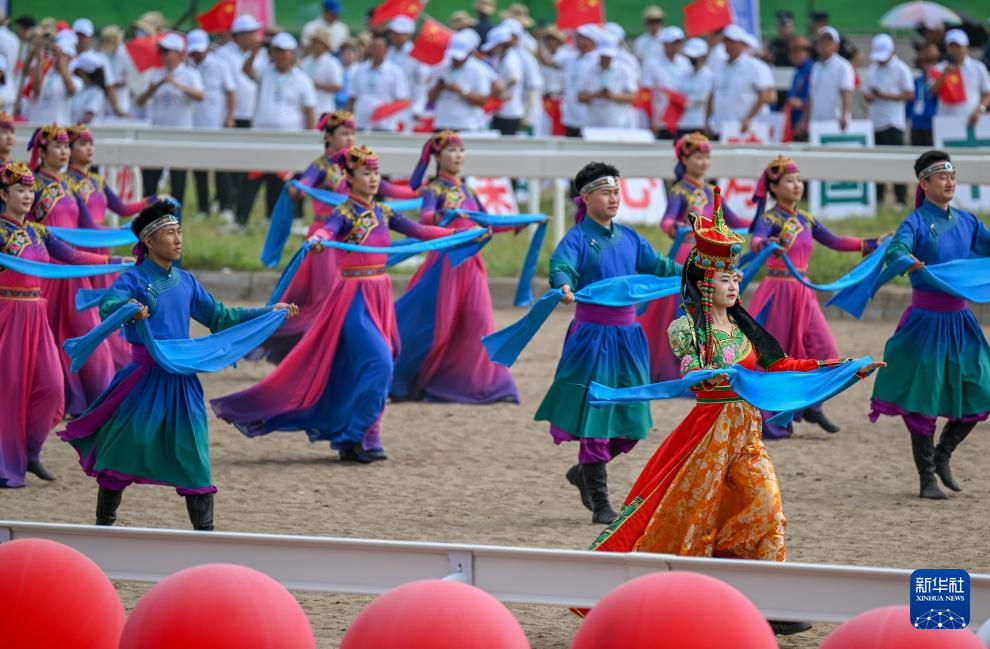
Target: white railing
[{"x": 785, "y": 591}]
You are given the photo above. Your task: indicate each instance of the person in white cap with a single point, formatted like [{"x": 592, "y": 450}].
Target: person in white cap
[
  {"x": 574, "y": 112},
  {"x": 330, "y": 18},
  {"x": 243, "y": 43},
  {"x": 524, "y": 46},
  {"x": 888, "y": 87},
  {"x": 609, "y": 90},
  {"x": 696, "y": 86},
  {"x": 52, "y": 84},
  {"x": 975, "y": 80},
  {"x": 89, "y": 104},
  {"x": 84, "y": 31},
  {"x": 832, "y": 83},
  {"x": 647, "y": 45},
  {"x": 399, "y": 33},
  {"x": 215, "y": 111},
  {"x": 122, "y": 70},
  {"x": 665, "y": 71},
  {"x": 172, "y": 93},
  {"x": 463, "y": 86},
  {"x": 509, "y": 67},
  {"x": 376, "y": 82},
  {"x": 324, "y": 69},
  {"x": 613, "y": 36},
  {"x": 743, "y": 87},
  {"x": 286, "y": 102}
]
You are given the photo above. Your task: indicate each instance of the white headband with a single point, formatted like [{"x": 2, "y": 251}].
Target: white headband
[
  {"x": 158, "y": 224},
  {"x": 938, "y": 167},
  {"x": 599, "y": 183}
]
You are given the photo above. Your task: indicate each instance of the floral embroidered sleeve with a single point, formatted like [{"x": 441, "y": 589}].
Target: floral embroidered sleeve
[{"x": 682, "y": 343}]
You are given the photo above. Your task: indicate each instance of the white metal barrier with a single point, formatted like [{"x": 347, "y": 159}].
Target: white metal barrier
[{"x": 784, "y": 591}]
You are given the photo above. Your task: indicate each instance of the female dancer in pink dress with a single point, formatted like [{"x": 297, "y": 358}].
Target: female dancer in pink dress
[
  {"x": 446, "y": 311},
  {"x": 793, "y": 315},
  {"x": 335, "y": 382},
  {"x": 94, "y": 193},
  {"x": 56, "y": 205},
  {"x": 31, "y": 375},
  {"x": 694, "y": 157}
]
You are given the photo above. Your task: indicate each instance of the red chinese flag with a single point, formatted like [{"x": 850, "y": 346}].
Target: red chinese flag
[
  {"x": 219, "y": 18},
  {"x": 705, "y": 16},
  {"x": 144, "y": 52},
  {"x": 644, "y": 102},
  {"x": 390, "y": 9},
  {"x": 571, "y": 14},
  {"x": 551, "y": 106},
  {"x": 675, "y": 108},
  {"x": 431, "y": 42},
  {"x": 788, "y": 134},
  {"x": 492, "y": 105},
  {"x": 953, "y": 91},
  {"x": 384, "y": 111}
]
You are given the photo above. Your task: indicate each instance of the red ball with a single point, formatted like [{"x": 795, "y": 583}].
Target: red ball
[
  {"x": 674, "y": 610},
  {"x": 54, "y": 596},
  {"x": 891, "y": 628},
  {"x": 220, "y": 606},
  {"x": 435, "y": 614}
]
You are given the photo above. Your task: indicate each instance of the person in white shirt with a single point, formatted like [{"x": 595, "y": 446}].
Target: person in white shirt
[
  {"x": 122, "y": 69},
  {"x": 888, "y": 87},
  {"x": 172, "y": 93},
  {"x": 509, "y": 67},
  {"x": 696, "y": 86},
  {"x": 665, "y": 71},
  {"x": 10, "y": 49},
  {"x": 976, "y": 80},
  {"x": 377, "y": 82},
  {"x": 339, "y": 32},
  {"x": 524, "y": 46},
  {"x": 286, "y": 102},
  {"x": 574, "y": 112},
  {"x": 613, "y": 36},
  {"x": 88, "y": 105},
  {"x": 553, "y": 54},
  {"x": 399, "y": 34},
  {"x": 832, "y": 83},
  {"x": 463, "y": 87},
  {"x": 215, "y": 111},
  {"x": 609, "y": 90},
  {"x": 84, "y": 31},
  {"x": 324, "y": 69},
  {"x": 743, "y": 87},
  {"x": 647, "y": 47},
  {"x": 243, "y": 43},
  {"x": 52, "y": 84}
]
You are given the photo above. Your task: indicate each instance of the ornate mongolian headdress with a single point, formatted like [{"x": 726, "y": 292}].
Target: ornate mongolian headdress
[
  {"x": 6, "y": 121},
  {"x": 717, "y": 249},
  {"x": 43, "y": 137},
  {"x": 14, "y": 173},
  {"x": 687, "y": 144},
  {"x": 433, "y": 147},
  {"x": 330, "y": 121},
  {"x": 352, "y": 157},
  {"x": 777, "y": 169},
  {"x": 79, "y": 133}
]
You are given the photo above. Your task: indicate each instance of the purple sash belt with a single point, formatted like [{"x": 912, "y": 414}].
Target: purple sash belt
[
  {"x": 617, "y": 316},
  {"x": 936, "y": 301}
]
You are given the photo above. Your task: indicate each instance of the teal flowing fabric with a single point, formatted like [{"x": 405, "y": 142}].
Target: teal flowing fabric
[
  {"x": 414, "y": 247},
  {"x": 58, "y": 271},
  {"x": 781, "y": 392},
  {"x": 280, "y": 225},
  {"x": 182, "y": 356},
  {"x": 505, "y": 345},
  {"x": 95, "y": 238},
  {"x": 87, "y": 298}
]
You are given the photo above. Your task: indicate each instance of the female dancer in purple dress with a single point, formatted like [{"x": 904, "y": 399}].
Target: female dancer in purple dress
[
  {"x": 694, "y": 157},
  {"x": 793, "y": 315},
  {"x": 446, "y": 311},
  {"x": 56, "y": 205},
  {"x": 34, "y": 397},
  {"x": 93, "y": 191},
  {"x": 335, "y": 382}
]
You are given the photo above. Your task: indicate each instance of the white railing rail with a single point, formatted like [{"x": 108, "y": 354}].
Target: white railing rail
[{"x": 785, "y": 591}]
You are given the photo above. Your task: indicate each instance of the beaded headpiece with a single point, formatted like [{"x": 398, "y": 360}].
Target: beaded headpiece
[
  {"x": 433, "y": 147},
  {"x": 330, "y": 121},
  {"x": 6, "y": 121},
  {"x": 42, "y": 137},
  {"x": 352, "y": 157},
  {"x": 777, "y": 169},
  {"x": 79, "y": 133},
  {"x": 14, "y": 173},
  {"x": 687, "y": 144},
  {"x": 717, "y": 249}
]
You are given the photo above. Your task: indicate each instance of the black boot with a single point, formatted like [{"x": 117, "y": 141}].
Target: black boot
[
  {"x": 596, "y": 482},
  {"x": 107, "y": 502},
  {"x": 200, "y": 508},
  {"x": 817, "y": 416},
  {"x": 575, "y": 476},
  {"x": 923, "y": 447},
  {"x": 38, "y": 469},
  {"x": 953, "y": 433}
]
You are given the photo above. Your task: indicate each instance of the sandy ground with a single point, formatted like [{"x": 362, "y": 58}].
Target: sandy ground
[{"x": 491, "y": 475}]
